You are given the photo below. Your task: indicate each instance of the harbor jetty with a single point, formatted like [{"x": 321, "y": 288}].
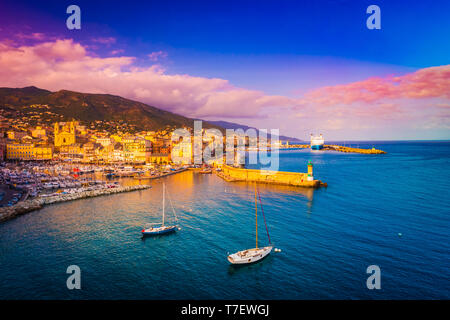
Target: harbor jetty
[
  {"x": 353, "y": 150},
  {"x": 297, "y": 179},
  {"x": 22, "y": 207},
  {"x": 338, "y": 148}
]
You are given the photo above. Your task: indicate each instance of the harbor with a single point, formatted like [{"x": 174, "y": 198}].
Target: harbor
[
  {"x": 321, "y": 231},
  {"x": 26, "y": 206},
  {"x": 28, "y": 186},
  {"x": 36, "y": 179}
]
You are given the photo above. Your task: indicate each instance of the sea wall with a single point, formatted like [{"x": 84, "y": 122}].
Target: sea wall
[
  {"x": 337, "y": 148},
  {"x": 22, "y": 207},
  {"x": 354, "y": 150},
  {"x": 265, "y": 176}
]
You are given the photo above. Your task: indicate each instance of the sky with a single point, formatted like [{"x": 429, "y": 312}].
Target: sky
[{"x": 298, "y": 66}]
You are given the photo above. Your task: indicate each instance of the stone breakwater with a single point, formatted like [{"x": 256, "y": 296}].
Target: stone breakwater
[
  {"x": 297, "y": 179},
  {"x": 353, "y": 150},
  {"x": 23, "y": 207},
  {"x": 333, "y": 147}
]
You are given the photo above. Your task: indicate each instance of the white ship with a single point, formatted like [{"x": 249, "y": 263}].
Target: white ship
[{"x": 317, "y": 142}]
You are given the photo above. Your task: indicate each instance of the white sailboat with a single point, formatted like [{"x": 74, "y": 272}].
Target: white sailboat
[
  {"x": 254, "y": 254},
  {"x": 149, "y": 230}
]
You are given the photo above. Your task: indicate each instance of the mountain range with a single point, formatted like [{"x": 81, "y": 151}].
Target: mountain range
[{"x": 88, "y": 107}]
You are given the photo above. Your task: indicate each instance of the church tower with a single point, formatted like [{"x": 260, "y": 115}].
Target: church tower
[{"x": 64, "y": 133}]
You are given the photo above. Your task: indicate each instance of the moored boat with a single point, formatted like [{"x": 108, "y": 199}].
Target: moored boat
[
  {"x": 163, "y": 229},
  {"x": 249, "y": 255},
  {"x": 255, "y": 254},
  {"x": 158, "y": 230}
]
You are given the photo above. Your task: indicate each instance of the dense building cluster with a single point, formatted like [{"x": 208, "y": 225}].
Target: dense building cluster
[
  {"x": 36, "y": 133},
  {"x": 75, "y": 142}
]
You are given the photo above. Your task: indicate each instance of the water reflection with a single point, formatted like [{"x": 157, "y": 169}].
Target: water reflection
[{"x": 157, "y": 237}]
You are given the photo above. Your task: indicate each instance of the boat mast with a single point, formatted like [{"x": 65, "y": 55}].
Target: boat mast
[
  {"x": 264, "y": 216},
  {"x": 164, "y": 201},
  {"x": 256, "y": 216}
]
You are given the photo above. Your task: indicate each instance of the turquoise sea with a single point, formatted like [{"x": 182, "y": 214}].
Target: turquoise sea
[{"x": 328, "y": 236}]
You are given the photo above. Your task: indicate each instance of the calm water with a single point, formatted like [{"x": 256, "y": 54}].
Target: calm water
[{"x": 328, "y": 236}]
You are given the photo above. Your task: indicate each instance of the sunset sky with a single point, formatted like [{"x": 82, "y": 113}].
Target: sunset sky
[{"x": 299, "y": 66}]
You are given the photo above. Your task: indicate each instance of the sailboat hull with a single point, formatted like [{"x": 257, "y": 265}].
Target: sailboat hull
[
  {"x": 250, "y": 255},
  {"x": 159, "y": 230}
]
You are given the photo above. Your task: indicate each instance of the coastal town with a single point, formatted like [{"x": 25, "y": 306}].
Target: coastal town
[
  {"x": 72, "y": 141},
  {"x": 60, "y": 161},
  {"x": 42, "y": 159}
]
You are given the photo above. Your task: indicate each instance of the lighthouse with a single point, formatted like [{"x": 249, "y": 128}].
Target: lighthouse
[{"x": 310, "y": 171}]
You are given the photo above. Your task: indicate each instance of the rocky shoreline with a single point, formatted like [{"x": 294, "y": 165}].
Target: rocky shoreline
[{"x": 7, "y": 213}]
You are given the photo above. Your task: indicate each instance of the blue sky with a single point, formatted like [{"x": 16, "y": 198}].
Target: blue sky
[{"x": 411, "y": 34}]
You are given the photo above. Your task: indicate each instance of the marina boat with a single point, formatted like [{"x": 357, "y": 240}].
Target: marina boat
[
  {"x": 255, "y": 254},
  {"x": 151, "y": 230},
  {"x": 127, "y": 171},
  {"x": 317, "y": 142},
  {"x": 47, "y": 186}
]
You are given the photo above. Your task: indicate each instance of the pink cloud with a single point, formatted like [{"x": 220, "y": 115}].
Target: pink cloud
[
  {"x": 155, "y": 56},
  {"x": 425, "y": 83},
  {"x": 104, "y": 40},
  {"x": 31, "y": 36},
  {"x": 118, "y": 51},
  {"x": 410, "y": 100},
  {"x": 65, "y": 64}
]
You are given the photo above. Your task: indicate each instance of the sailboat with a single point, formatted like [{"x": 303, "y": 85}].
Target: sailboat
[
  {"x": 149, "y": 230},
  {"x": 255, "y": 254}
]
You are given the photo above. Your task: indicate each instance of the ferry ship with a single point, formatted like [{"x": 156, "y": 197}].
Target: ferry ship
[{"x": 317, "y": 142}]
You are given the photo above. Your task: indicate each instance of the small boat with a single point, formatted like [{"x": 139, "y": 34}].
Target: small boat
[
  {"x": 149, "y": 230},
  {"x": 255, "y": 254},
  {"x": 206, "y": 171}
]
